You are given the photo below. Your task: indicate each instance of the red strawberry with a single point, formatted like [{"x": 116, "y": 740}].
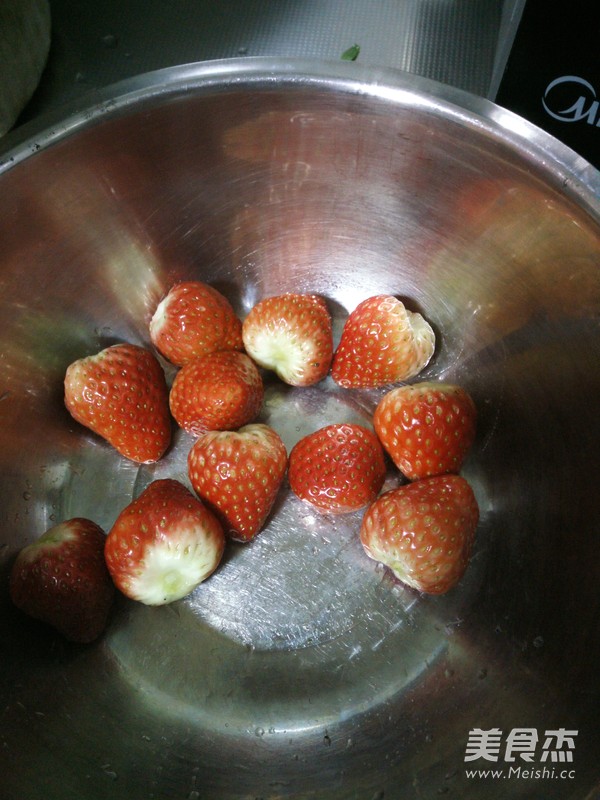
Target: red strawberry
[
  {"x": 338, "y": 469},
  {"x": 382, "y": 343},
  {"x": 238, "y": 473},
  {"x": 426, "y": 428},
  {"x": 163, "y": 544},
  {"x": 121, "y": 394},
  {"x": 423, "y": 531},
  {"x": 220, "y": 391},
  {"x": 193, "y": 320},
  {"x": 291, "y": 335},
  {"x": 62, "y": 580}
]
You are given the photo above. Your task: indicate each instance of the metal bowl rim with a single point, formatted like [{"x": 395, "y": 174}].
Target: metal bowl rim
[{"x": 540, "y": 149}]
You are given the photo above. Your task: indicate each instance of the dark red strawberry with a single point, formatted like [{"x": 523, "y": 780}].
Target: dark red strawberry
[
  {"x": 239, "y": 474},
  {"x": 423, "y": 531},
  {"x": 61, "y": 579},
  {"x": 121, "y": 394},
  {"x": 220, "y": 391},
  {"x": 427, "y": 428},
  {"x": 337, "y": 469},
  {"x": 291, "y": 335},
  {"x": 194, "y": 319},
  {"x": 163, "y": 544},
  {"x": 382, "y": 343}
]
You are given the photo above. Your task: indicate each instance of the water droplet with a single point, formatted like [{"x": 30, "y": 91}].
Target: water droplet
[
  {"x": 110, "y": 773},
  {"x": 538, "y": 641},
  {"x": 259, "y": 732},
  {"x": 26, "y": 495},
  {"x": 110, "y": 41},
  {"x": 193, "y": 795}
]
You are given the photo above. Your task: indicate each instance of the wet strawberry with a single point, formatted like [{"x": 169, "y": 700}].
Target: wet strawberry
[
  {"x": 427, "y": 428},
  {"x": 423, "y": 531},
  {"x": 163, "y": 544},
  {"x": 62, "y": 580},
  {"x": 220, "y": 391},
  {"x": 382, "y": 343},
  {"x": 337, "y": 469},
  {"x": 121, "y": 394},
  {"x": 291, "y": 335},
  {"x": 238, "y": 473},
  {"x": 194, "y": 319}
]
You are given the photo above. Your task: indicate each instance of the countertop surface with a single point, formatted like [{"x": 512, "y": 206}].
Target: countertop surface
[{"x": 96, "y": 44}]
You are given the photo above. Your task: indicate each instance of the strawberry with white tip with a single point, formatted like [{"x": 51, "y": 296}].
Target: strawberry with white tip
[
  {"x": 194, "y": 319},
  {"x": 163, "y": 544},
  {"x": 423, "y": 531},
  {"x": 382, "y": 343},
  {"x": 291, "y": 334}
]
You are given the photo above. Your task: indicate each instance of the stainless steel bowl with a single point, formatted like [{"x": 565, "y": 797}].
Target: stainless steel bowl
[{"x": 301, "y": 669}]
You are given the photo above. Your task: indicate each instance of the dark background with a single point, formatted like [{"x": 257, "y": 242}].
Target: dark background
[{"x": 553, "y": 40}]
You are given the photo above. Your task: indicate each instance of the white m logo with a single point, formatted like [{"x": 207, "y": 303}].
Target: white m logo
[{"x": 585, "y": 106}]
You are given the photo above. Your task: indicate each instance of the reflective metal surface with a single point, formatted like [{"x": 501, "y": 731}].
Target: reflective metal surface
[{"x": 301, "y": 669}]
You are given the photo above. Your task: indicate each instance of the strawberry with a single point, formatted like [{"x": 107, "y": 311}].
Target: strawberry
[
  {"x": 163, "y": 544},
  {"x": 382, "y": 343},
  {"x": 291, "y": 335},
  {"x": 423, "y": 531},
  {"x": 426, "y": 428},
  {"x": 220, "y": 391},
  {"x": 193, "y": 320},
  {"x": 62, "y": 580},
  {"x": 121, "y": 394},
  {"x": 337, "y": 469},
  {"x": 238, "y": 473}
]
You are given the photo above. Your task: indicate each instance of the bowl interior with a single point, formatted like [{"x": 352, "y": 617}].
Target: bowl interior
[{"x": 301, "y": 663}]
